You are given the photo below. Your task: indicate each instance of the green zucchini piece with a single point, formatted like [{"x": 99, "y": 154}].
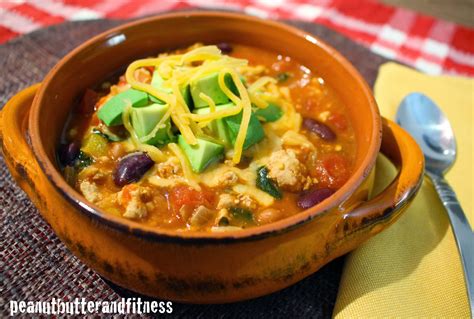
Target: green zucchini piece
[{"x": 95, "y": 145}]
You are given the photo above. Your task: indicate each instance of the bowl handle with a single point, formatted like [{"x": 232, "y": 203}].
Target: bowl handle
[
  {"x": 15, "y": 148},
  {"x": 372, "y": 216}
]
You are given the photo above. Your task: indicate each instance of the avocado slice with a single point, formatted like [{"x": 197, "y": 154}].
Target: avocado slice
[
  {"x": 271, "y": 113},
  {"x": 145, "y": 119},
  {"x": 202, "y": 154},
  {"x": 255, "y": 131},
  {"x": 111, "y": 112},
  {"x": 219, "y": 130},
  {"x": 209, "y": 85},
  {"x": 157, "y": 82},
  {"x": 228, "y": 127},
  {"x": 156, "y": 100}
]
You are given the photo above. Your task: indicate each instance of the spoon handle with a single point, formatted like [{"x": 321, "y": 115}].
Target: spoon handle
[{"x": 461, "y": 229}]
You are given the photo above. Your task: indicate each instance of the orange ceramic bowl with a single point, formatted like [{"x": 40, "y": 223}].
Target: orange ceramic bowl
[{"x": 202, "y": 267}]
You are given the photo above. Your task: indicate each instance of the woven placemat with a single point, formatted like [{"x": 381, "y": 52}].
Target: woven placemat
[{"x": 35, "y": 265}]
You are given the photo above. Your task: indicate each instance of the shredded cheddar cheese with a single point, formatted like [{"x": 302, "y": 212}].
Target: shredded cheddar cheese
[
  {"x": 212, "y": 108},
  {"x": 260, "y": 83},
  {"x": 167, "y": 182},
  {"x": 178, "y": 71},
  {"x": 244, "y": 101},
  {"x": 175, "y": 69}
]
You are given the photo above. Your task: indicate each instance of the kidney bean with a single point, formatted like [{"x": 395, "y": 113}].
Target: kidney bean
[
  {"x": 131, "y": 168},
  {"x": 68, "y": 153},
  {"x": 314, "y": 196},
  {"x": 225, "y": 47},
  {"x": 268, "y": 215},
  {"x": 320, "y": 129}
]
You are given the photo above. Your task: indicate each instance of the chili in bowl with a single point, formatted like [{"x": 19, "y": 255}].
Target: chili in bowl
[{"x": 206, "y": 157}]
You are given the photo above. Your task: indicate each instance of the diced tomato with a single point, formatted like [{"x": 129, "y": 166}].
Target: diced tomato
[
  {"x": 282, "y": 65},
  {"x": 184, "y": 195},
  {"x": 122, "y": 80},
  {"x": 142, "y": 75},
  {"x": 332, "y": 171},
  {"x": 88, "y": 101},
  {"x": 94, "y": 121},
  {"x": 338, "y": 120},
  {"x": 100, "y": 103},
  {"x": 175, "y": 221},
  {"x": 150, "y": 68}
]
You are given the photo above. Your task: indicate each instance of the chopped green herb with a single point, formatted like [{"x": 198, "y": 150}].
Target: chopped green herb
[
  {"x": 83, "y": 160},
  {"x": 282, "y": 77},
  {"x": 266, "y": 184},
  {"x": 224, "y": 221},
  {"x": 271, "y": 113},
  {"x": 241, "y": 217}
]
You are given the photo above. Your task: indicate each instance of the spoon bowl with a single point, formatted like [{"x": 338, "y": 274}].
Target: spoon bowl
[{"x": 425, "y": 121}]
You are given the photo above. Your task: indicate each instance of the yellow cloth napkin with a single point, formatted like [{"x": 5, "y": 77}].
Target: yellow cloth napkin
[{"x": 412, "y": 269}]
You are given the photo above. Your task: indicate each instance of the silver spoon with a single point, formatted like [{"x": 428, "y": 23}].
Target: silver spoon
[{"x": 425, "y": 121}]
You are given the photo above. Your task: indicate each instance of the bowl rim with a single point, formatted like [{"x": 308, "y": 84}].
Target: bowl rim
[{"x": 194, "y": 237}]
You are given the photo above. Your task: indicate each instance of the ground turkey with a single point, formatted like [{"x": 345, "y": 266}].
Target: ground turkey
[
  {"x": 135, "y": 202},
  {"x": 90, "y": 191},
  {"x": 288, "y": 172},
  {"x": 241, "y": 200}
]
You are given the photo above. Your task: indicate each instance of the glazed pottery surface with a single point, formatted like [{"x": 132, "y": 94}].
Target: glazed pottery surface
[{"x": 204, "y": 267}]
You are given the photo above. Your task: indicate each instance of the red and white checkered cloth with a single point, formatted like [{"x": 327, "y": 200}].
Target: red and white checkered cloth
[{"x": 431, "y": 45}]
